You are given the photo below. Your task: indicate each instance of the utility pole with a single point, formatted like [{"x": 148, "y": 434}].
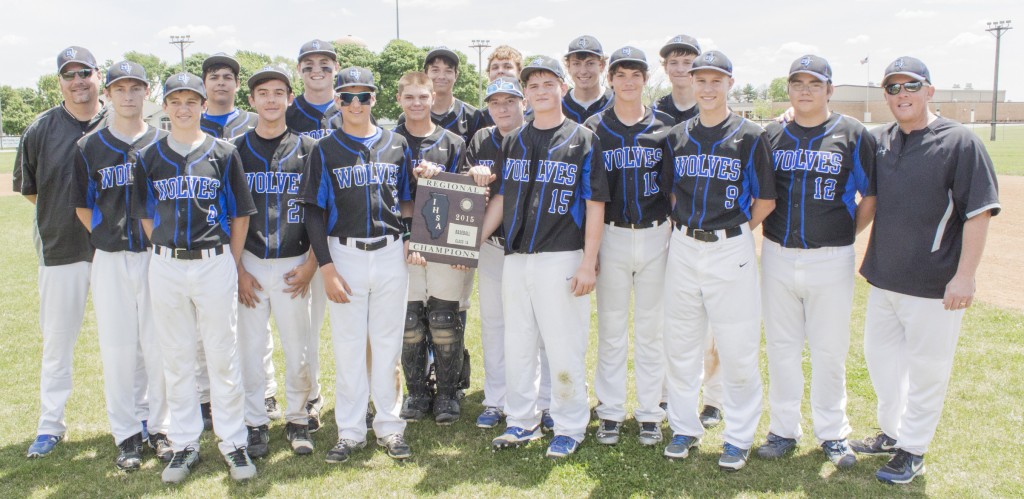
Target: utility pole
[
  {"x": 181, "y": 41},
  {"x": 480, "y": 45},
  {"x": 398, "y": 35},
  {"x": 997, "y": 28}
]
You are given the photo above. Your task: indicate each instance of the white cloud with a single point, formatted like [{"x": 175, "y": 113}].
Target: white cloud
[
  {"x": 968, "y": 38},
  {"x": 859, "y": 39},
  {"x": 536, "y": 23},
  {"x": 11, "y": 39},
  {"x": 797, "y": 48},
  {"x": 915, "y": 14}
]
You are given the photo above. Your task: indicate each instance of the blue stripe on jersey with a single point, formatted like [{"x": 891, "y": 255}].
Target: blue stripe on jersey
[
  {"x": 266, "y": 198},
  {"x": 789, "y": 206},
  {"x": 177, "y": 172},
  {"x": 298, "y": 106},
  {"x": 858, "y": 180},
  {"x": 221, "y": 214},
  {"x": 279, "y": 207},
  {"x": 622, "y": 142},
  {"x": 454, "y": 167},
  {"x": 127, "y": 194},
  {"x": 519, "y": 192},
  {"x": 227, "y": 202},
  {"x": 636, "y": 175},
  {"x": 366, "y": 188},
  {"x": 580, "y": 205},
  {"x": 750, "y": 186},
  {"x": 543, "y": 187},
  {"x": 325, "y": 194},
  {"x": 381, "y": 185}
]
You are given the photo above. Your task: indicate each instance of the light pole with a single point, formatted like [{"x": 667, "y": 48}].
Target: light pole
[
  {"x": 480, "y": 45},
  {"x": 397, "y": 35},
  {"x": 181, "y": 41},
  {"x": 997, "y": 28}
]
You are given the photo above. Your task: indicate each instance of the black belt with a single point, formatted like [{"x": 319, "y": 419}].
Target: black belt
[
  {"x": 188, "y": 254},
  {"x": 709, "y": 236},
  {"x": 367, "y": 246},
  {"x": 643, "y": 225}
]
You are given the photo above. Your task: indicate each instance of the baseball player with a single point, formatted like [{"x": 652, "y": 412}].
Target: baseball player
[
  {"x": 633, "y": 251},
  {"x": 120, "y": 292},
  {"x": 823, "y": 160},
  {"x": 221, "y": 119},
  {"x": 722, "y": 187},
  {"x": 587, "y": 63},
  {"x": 937, "y": 191},
  {"x": 191, "y": 196},
  {"x": 551, "y": 199},
  {"x": 432, "y": 316},
  {"x": 43, "y": 174},
  {"x": 677, "y": 57},
  {"x": 442, "y": 67},
  {"x": 276, "y": 267},
  {"x": 504, "y": 61},
  {"x": 360, "y": 176},
  {"x": 314, "y": 114}
]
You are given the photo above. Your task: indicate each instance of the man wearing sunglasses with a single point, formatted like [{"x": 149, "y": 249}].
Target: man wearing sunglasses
[
  {"x": 360, "y": 176},
  {"x": 633, "y": 251},
  {"x": 43, "y": 174},
  {"x": 120, "y": 291},
  {"x": 432, "y": 313},
  {"x": 937, "y": 191},
  {"x": 823, "y": 160}
]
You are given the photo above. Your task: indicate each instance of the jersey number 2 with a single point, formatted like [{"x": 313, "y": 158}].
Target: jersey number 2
[
  {"x": 294, "y": 211},
  {"x": 211, "y": 215}
]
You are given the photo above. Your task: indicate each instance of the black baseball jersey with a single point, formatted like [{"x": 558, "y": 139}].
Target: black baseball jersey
[
  {"x": 359, "y": 183},
  {"x": 191, "y": 199},
  {"x": 632, "y": 161},
  {"x": 44, "y": 168},
  {"x": 574, "y": 111},
  {"x": 103, "y": 179},
  {"x": 818, "y": 173},
  {"x": 441, "y": 147},
  {"x": 547, "y": 177},
  {"x": 305, "y": 119},
  {"x": 668, "y": 106},
  {"x": 238, "y": 123},
  {"x": 928, "y": 182},
  {"x": 484, "y": 150},
  {"x": 273, "y": 171},
  {"x": 717, "y": 172},
  {"x": 462, "y": 120}
]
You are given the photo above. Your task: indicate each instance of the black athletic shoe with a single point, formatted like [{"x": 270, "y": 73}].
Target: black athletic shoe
[
  {"x": 415, "y": 408},
  {"x": 902, "y": 468},
  {"x": 313, "y": 408},
  {"x": 342, "y": 450},
  {"x": 273, "y": 411},
  {"x": 446, "y": 411},
  {"x": 129, "y": 456},
  {"x": 161, "y": 446},
  {"x": 878, "y": 445},
  {"x": 710, "y": 416},
  {"x": 298, "y": 435},
  {"x": 258, "y": 441},
  {"x": 396, "y": 446},
  {"x": 207, "y": 413}
]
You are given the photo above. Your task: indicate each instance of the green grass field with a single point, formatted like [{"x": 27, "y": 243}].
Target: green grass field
[
  {"x": 975, "y": 452},
  {"x": 6, "y": 161},
  {"x": 1008, "y": 149}
]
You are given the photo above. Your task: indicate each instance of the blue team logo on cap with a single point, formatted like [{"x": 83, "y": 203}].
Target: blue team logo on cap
[
  {"x": 898, "y": 64},
  {"x": 806, "y": 61},
  {"x": 581, "y": 43},
  {"x": 183, "y": 78},
  {"x": 70, "y": 53},
  {"x": 316, "y": 45},
  {"x": 709, "y": 58},
  {"x": 626, "y": 51},
  {"x": 354, "y": 74},
  {"x": 268, "y": 68},
  {"x": 127, "y": 68},
  {"x": 678, "y": 39},
  {"x": 537, "y": 61}
]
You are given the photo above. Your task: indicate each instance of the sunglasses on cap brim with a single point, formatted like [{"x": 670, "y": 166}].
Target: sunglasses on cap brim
[{"x": 348, "y": 97}]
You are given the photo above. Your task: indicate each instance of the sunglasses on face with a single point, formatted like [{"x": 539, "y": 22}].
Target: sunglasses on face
[
  {"x": 912, "y": 86},
  {"x": 82, "y": 73},
  {"x": 323, "y": 69},
  {"x": 348, "y": 97}
]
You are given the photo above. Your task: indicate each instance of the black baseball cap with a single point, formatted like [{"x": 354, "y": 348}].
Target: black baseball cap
[
  {"x": 184, "y": 81},
  {"x": 354, "y": 76},
  {"x": 268, "y": 73},
  {"x": 585, "y": 44},
  {"x": 713, "y": 60},
  {"x": 442, "y": 51},
  {"x": 813, "y": 65},
  {"x": 321, "y": 47},
  {"x": 504, "y": 85},
  {"x": 221, "y": 58},
  {"x": 909, "y": 66},
  {"x": 126, "y": 70},
  {"x": 75, "y": 54},
  {"x": 680, "y": 42},
  {"x": 630, "y": 54},
  {"x": 542, "y": 63}
]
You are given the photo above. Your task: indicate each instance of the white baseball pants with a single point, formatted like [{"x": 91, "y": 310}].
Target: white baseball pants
[
  {"x": 807, "y": 296},
  {"x": 909, "y": 344},
  {"x": 129, "y": 346},
  {"x": 632, "y": 263},
  {"x": 318, "y": 312},
  {"x": 713, "y": 284},
  {"x": 204, "y": 292},
  {"x": 292, "y": 316},
  {"x": 63, "y": 292},
  {"x": 536, "y": 293},
  {"x": 375, "y": 317},
  {"x": 438, "y": 280}
]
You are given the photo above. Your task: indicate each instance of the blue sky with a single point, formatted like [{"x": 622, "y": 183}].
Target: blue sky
[{"x": 761, "y": 41}]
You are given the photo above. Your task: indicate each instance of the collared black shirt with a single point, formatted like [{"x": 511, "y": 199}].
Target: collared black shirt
[
  {"x": 668, "y": 106},
  {"x": 574, "y": 111}
]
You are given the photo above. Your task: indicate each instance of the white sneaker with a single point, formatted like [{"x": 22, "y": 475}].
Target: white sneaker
[
  {"x": 240, "y": 467},
  {"x": 180, "y": 466}
]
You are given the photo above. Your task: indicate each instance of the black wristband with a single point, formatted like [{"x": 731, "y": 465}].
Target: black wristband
[{"x": 407, "y": 222}]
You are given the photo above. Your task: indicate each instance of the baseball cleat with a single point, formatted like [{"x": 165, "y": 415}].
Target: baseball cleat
[
  {"x": 273, "y": 411},
  {"x": 298, "y": 435},
  {"x": 562, "y": 446},
  {"x": 776, "y": 447},
  {"x": 489, "y": 418},
  {"x": 180, "y": 466},
  {"x": 415, "y": 408},
  {"x": 839, "y": 452},
  {"x": 902, "y": 468},
  {"x": 546, "y": 421},
  {"x": 608, "y": 432},
  {"x": 446, "y": 410},
  {"x": 680, "y": 445},
  {"x": 129, "y": 456},
  {"x": 710, "y": 416},
  {"x": 880, "y": 444},
  {"x": 342, "y": 450},
  {"x": 43, "y": 445},
  {"x": 206, "y": 411},
  {"x": 240, "y": 467},
  {"x": 258, "y": 441},
  {"x": 650, "y": 434},
  {"x": 161, "y": 447},
  {"x": 733, "y": 458},
  {"x": 313, "y": 408},
  {"x": 396, "y": 446},
  {"x": 515, "y": 436}
]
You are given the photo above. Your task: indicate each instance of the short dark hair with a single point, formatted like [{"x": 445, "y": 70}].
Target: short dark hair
[
  {"x": 445, "y": 59},
  {"x": 628, "y": 65},
  {"x": 217, "y": 67},
  {"x": 676, "y": 52}
]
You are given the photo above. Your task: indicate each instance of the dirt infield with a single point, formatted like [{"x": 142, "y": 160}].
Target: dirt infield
[{"x": 998, "y": 280}]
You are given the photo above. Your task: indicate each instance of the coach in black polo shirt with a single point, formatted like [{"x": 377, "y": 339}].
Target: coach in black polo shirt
[{"x": 936, "y": 193}]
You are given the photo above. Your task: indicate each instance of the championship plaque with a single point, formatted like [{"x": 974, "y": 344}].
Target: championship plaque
[{"x": 447, "y": 219}]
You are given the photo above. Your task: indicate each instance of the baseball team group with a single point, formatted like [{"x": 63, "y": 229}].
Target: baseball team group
[{"x": 192, "y": 238}]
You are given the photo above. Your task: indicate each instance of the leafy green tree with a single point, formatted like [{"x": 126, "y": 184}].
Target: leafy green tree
[
  {"x": 155, "y": 69},
  {"x": 47, "y": 93},
  {"x": 749, "y": 93},
  {"x": 17, "y": 114},
  {"x": 778, "y": 90},
  {"x": 249, "y": 62},
  {"x": 351, "y": 54},
  {"x": 398, "y": 57}
]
